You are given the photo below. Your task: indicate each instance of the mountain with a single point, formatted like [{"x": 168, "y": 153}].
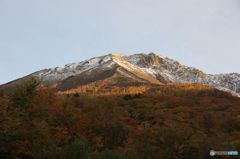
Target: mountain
[{"x": 138, "y": 68}]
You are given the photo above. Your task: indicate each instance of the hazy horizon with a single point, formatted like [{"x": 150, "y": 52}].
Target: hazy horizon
[{"x": 35, "y": 35}]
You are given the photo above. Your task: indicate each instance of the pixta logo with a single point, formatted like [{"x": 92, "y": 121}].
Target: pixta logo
[{"x": 223, "y": 153}]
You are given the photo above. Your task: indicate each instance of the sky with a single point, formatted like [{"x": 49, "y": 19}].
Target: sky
[{"x": 38, "y": 34}]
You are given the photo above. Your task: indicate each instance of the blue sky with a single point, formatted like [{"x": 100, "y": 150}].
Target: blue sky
[{"x": 38, "y": 34}]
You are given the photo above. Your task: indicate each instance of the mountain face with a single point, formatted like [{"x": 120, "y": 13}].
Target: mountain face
[{"x": 142, "y": 68}]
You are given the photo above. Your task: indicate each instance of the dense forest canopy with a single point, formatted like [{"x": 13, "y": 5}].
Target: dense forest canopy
[{"x": 181, "y": 121}]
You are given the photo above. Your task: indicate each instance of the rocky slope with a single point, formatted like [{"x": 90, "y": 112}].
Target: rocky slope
[{"x": 147, "y": 68}]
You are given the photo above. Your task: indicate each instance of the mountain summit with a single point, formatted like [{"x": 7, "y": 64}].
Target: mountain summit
[{"x": 141, "y": 68}]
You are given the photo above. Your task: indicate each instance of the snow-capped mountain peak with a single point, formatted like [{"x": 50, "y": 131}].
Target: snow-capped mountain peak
[{"x": 150, "y": 67}]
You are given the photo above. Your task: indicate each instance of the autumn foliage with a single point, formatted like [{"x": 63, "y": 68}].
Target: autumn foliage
[{"x": 159, "y": 122}]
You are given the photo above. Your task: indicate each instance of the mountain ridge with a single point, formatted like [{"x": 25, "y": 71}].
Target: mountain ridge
[{"x": 147, "y": 68}]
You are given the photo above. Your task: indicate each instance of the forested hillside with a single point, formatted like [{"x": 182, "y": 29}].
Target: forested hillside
[{"x": 175, "y": 121}]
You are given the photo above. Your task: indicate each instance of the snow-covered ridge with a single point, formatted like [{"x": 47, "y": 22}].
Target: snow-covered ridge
[
  {"x": 159, "y": 67},
  {"x": 61, "y": 73},
  {"x": 175, "y": 72}
]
